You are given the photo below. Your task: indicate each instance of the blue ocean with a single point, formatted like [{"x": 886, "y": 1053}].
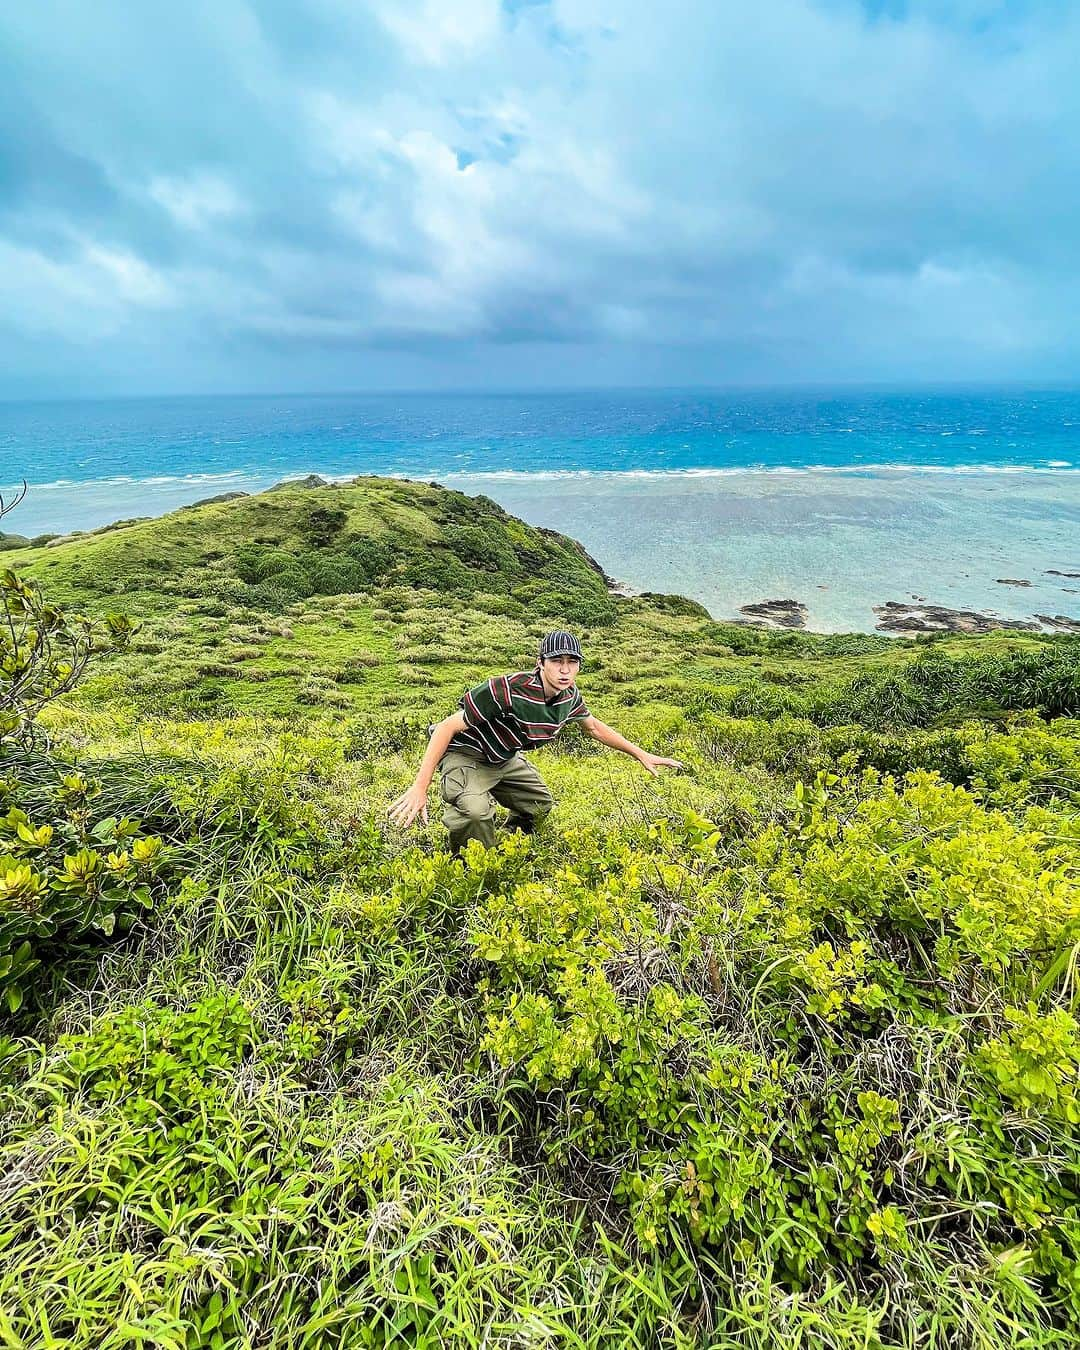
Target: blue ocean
[{"x": 840, "y": 500}]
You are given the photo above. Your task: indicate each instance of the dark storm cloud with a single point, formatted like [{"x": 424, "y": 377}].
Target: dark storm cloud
[{"x": 330, "y": 194}]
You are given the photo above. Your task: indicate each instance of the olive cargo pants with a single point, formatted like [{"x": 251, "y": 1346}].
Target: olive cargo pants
[{"x": 471, "y": 788}]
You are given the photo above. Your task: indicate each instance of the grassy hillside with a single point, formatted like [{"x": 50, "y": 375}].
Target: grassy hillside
[
  {"x": 378, "y": 596},
  {"x": 777, "y": 1051}
]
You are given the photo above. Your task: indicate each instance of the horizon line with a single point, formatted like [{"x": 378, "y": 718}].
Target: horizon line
[{"x": 473, "y": 391}]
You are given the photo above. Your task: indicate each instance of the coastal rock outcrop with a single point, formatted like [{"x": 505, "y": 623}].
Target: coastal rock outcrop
[
  {"x": 213, "y": 501},
  {"x": 775, "y": 613},
  {"x": 896, "y": 617},
  {"x": 312, "y": 480},
  {"x": 1011, "y": 581},
  {"x": 1053, "y": 572},
  {"x": 1059, "y": 623}
]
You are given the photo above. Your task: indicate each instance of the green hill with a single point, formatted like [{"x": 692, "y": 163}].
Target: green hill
[
  {"x": 777, "y": 1051},
  {"x": 311, "y": 538}
]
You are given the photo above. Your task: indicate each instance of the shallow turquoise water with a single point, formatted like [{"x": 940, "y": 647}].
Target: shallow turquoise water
[{"x": 841, "y": 542}]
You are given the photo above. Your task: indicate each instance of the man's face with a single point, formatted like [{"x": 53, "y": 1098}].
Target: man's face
[{"x": 560, "y": 672}]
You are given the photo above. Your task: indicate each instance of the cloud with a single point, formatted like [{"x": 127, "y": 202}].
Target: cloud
[
  {"x": 394, "y": 192},
  {"x": 435, "y": 33},
  {"x": 90, "y": 295},
  {"x": 197, "y": 201}
]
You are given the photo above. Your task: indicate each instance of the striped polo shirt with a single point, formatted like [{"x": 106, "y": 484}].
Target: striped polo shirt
[{"x": 510, "y": 713}]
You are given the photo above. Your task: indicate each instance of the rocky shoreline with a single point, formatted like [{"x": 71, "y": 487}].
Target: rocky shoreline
[
  {"x": 775, "y": 614},
  {"x": 897, "y": 616},
  {"x": 909, "y": 618}
]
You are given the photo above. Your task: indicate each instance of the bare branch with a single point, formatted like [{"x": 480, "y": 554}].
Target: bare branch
[{"x": 5, "y": 507}]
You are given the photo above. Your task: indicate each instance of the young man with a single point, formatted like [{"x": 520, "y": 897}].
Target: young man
[{"x": 477, "y": 748}]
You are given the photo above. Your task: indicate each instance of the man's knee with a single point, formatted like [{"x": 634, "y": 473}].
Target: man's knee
[
  {"x": 472, "y": 807},
  {"x": 527, "y": 795}
]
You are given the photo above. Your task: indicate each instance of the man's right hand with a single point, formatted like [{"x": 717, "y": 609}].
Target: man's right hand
[{"x": 413, "y": 802}]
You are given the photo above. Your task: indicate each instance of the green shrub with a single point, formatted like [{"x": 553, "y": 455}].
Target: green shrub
[
  {"x": 66, "y": 875},
  {"x": 371, "y": 558},
  {"x": 479, "y": 548},
  {"x": 158, "y": 1066},
  {"x": 323, "y": 525},
  {"x": 674, "y": 604},
  {"x": 935, "y": 687},
  {"x": 575, "y": 606}
]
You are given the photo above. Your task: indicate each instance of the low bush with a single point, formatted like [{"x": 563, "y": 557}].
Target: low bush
[{"x": 67, "y": 874}]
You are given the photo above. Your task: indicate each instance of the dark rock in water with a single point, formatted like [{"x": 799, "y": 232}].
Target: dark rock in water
[
  {"x": 1059, "y": 623},
  {"x": 311, "y": 481},
  {"x": 896, "y": 617},
  {"x": 1053, "y": 572},
  {"x": 776, "y": 613},
  {"x": 213, "y": 501},
  {"x": 1010, "y": 581}
]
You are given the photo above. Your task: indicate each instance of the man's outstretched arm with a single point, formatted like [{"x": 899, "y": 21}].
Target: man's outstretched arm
[
  {"x": 413, "y": 801},
  {"x": 606, "y": 735}
]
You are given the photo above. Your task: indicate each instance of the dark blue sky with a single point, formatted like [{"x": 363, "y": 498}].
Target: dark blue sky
[{"x": 252, "y": 195}]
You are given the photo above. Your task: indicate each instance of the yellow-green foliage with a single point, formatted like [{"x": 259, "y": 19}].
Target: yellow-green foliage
[{"x": 778, "y": 1051}]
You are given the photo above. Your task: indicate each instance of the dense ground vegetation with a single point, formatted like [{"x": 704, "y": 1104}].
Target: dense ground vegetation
[{"x": 779, "y": 1051}]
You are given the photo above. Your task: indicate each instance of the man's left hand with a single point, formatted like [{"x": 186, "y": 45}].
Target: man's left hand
[{"x": 653, "y": 763}]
